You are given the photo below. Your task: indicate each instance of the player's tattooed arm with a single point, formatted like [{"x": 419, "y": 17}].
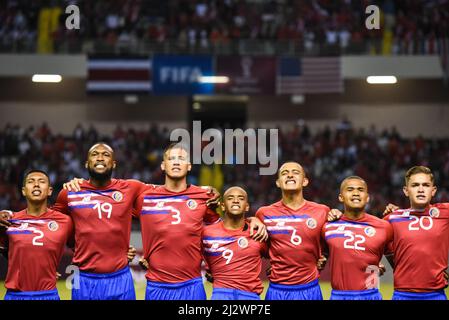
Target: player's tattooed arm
[
  {"x": 390, "y": 208},
  {"x": 73, "y": 185},
  {"x": 334, "y": 214},
  {"x": 257, "y": 229}
]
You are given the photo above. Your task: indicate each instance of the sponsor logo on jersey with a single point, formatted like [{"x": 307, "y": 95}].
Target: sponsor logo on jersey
[
  {"x": 23, "y": 226},
  {"x": 434, "y": 212},
  {"x": 280, "y": 224},
  {"x": 192, "y": 204},
  {"x": 117, "y": 196},
  {"x": 160, "y": 204},
  {"x": 242, "y": 242},
  {"x": 311, "y": 223},
  {"x": 86, "y": 199},
  {"x": 53, "y": 226},
  {"x": 341, "y": 228},
  {"x": 215, "y": 245},
  {"x": 370, "y": 231}
]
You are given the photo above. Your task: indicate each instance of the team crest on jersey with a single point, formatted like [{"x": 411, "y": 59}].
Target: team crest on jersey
[
  {"x": 117, "y": 196},
  {"x": 192, "y": 204},
  {"x": 86, "y": 199},
  {"x": 311, "y": 223},
  {"x": 160, "y": 204},
  {"x": 341, "y": 228},
  {"x": 370, "y": 231},
  {"x": 53, "y": 226},
  {"x": 242, "y": 242},
  {"x": 215, "y": 245},
  {"x": 434, "y": 212}
]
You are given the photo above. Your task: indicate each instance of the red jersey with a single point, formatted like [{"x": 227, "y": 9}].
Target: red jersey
[
  {"x": 294, "y": 244},
  {"x": 102, "y": 219},
  {"x": 420, "y": 247},
  {"x": 233, "y": 258},
  {"x": 36, "y": 245},
  {"x": 356, "y": 248},
  {"x": 171, "y": 224}
]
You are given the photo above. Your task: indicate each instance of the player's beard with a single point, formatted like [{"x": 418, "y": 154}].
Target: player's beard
[{"x": 100, "y": 177}]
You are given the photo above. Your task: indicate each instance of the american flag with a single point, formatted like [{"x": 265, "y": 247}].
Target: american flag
[
  {"x": 119, "y": 74},
  {"x": 309, "y": 75}
]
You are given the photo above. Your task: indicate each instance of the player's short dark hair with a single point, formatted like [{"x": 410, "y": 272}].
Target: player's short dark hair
[
  {"x": 418, "y": 169},
  {"x": 352, "y": 178},
  {"x": 176, "y": 145},
  {"x": 293, "y": 161},
  {"x": 34, "y": 171}
]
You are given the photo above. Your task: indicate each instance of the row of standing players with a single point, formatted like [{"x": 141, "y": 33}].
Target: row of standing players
[{"x": 180, "y": 229}]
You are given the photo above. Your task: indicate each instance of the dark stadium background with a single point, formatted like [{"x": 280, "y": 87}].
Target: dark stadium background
[{"x": 375, "y": 131}]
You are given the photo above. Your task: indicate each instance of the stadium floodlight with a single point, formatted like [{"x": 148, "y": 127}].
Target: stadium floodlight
[
  {"x": 213, "y": 79},
  {"x": 381, "y": 80},
  {"x": 54, "y": 78}
]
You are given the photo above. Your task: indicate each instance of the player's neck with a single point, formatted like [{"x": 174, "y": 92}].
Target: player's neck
[
  {"x": 353, "y": 215},
  {"x": 234, "y": 222},
  {"x": 36, "y": 209},
  {"x": 294, "y": 200},
  {"x": 99, "y": 183},
  {"x": 175, "y": 185},
  {"x": 419, "y": 206}
]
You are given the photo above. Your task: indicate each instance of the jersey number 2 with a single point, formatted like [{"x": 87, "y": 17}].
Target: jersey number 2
[{"x": 40, "y": 235}]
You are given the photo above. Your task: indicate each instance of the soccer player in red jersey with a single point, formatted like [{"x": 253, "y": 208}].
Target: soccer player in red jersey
[
  {"x": 172, "y": 218},
  {"x": 101, "y": 209},
  {"x": 356, "y": 244},
  {"x": 421, "y": 240},
  {"x": 35, "y": 243},
  {"x": 233, "y": 258},
  {"x": 294, "y": 226},
  {"x": 102, "y": 215}
]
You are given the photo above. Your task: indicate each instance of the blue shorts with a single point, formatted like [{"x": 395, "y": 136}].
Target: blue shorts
[
  {"x": 32, "y": 295},
  {"x": 402, "y": 295},
  {"x": 187, "y": 290},
  {"x": 308, "y": 291},
  {"x": 233, "y": 294},
  {"x": 371, "y": 294},
  {"x": 118, "y": 285}
]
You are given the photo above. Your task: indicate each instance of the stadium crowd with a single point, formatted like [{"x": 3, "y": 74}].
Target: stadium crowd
[
  {"x": 408, "y": 27},
  {"x": 328, "y": 156}
]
